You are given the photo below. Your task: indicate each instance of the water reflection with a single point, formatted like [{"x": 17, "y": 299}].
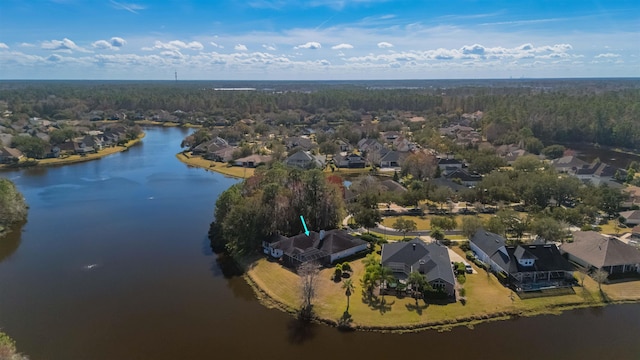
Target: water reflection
[
  {"x": 300, "y": 331},
  {"x": 10, "y": 242}
]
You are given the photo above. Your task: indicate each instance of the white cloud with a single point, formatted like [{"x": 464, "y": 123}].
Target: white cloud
[
  {"x": 118, "y": 42},
  {"x": 130, "y": 7},
  {"x": 607, "y": 55},
  {"x": 114, "y": 44},
  {"x": 310, "y": 45},
  {"x": 26, "y": 44},
  {"x": 3, "y": 45},
  {"x": 65, "y": 45},
  {"x": 342, "y": 46},
  {"x": 175, "y": 45},
  {"x": 216, "y": 45},
  {"x": 384, "y": 44},
  {"x": 240, "y": 47},
  {"x": 54, "y": 58},
  {"x": 269, "y": 47}
]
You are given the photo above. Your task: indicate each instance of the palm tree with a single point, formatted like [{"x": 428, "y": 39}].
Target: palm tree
[
  {"x": 385, "y": 275},
  {"x": 417, "y": 282},
  {"x": 348, "y": 287}
]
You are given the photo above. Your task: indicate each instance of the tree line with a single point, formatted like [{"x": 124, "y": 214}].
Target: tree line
[{"x": 271, "y": 202}]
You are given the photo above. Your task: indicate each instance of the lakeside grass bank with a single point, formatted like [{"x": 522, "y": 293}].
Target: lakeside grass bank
[
  {"x": 72, "y": 159},
  {"x": 486, "y": 300},
  {"x": 219, "y": 167}
]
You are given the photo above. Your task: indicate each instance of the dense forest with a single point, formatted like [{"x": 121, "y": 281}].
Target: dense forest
[
  {"x": 605, "y": 112},
  {"x": 271, "y": 202}
]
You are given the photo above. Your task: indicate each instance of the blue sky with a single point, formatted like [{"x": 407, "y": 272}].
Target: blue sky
[{"x": 317, "y": 39}]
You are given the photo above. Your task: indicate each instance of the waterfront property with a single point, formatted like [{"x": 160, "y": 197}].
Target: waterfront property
[
  {"x": 431, "y": 260},
  {"x": 595, "y": 251},
  {"x": 526, "y": 267},
  {"x": 325, "y": 247}
]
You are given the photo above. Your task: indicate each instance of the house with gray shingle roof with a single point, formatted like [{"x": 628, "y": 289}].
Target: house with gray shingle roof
[
  {"x": 596, "y": 251},
  {"x": 527, "y": 267},
  {"x": 631, "y": 217},
  {"x": 432, "y": 260},
  {"x": 305, "y": 160},
  {"x": 325, "y": 247}
]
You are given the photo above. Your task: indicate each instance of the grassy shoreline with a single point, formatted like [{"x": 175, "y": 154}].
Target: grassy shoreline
[
  {"x": 222, "y": 168},
  {"x": 487, "y": 300},
  {"x": 73, "y": 159}
]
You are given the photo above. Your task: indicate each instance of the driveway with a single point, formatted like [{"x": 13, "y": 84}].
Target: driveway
[{"x": 457, "y": 258}]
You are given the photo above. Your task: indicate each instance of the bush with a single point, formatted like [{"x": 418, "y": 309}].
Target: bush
[
  {"x": 460, "y": 269},
  {"x": 346, "y": 267},
  {"x": 446, "y": 242},
  {"x": 464, "y": 246},
  {"x": 469, "y": 255},
  {"x": 462, "y": 292},
  {"x": 479, "y": 264},
  {"x": 370, "y": 238},
  {"x": 435, "y": 294},
  {"x": 461, "y": 278}
]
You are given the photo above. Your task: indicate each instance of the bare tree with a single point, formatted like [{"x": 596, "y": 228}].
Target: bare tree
[
  {"x": 308, "y": 273},
  {"x": 600, "y": 276}
]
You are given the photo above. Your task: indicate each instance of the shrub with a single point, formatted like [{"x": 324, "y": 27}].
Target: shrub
[
  {"x": 462, "y": 292},
  {"x": 460, "y": 269},
  {"x": 461, "y": 278},
  {"x": 435, "y": 294},
  {"x": 446, "y": 242},
  {"x": 346, "y": 267},
  {"x": 464, "y": 246},
  {"x": 469, "y": 255},
  {"x": 501, "y": 276},
  {"x": 479, "y": 264}
]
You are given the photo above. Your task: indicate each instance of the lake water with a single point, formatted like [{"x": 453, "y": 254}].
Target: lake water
[{"x": 114, "y": 263}]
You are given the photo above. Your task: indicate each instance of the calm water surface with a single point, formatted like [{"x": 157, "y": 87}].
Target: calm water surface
[{"x": 114, "y": 263}]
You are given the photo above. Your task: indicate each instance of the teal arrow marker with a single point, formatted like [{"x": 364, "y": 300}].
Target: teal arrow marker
[{"x": 306, "y": 231}]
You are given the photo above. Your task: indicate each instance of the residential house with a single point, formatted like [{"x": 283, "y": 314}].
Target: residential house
[
  {"x": 599, "y": 173},
  {"x": 252, "y": 161},
  {"x": 465, "y": 178},
  {"x": 225, "y": 154},
  {"x": 448, "y": 165},
  {"x": 631, "y": 218},
  {"x": 9, "y": 155},
  {"x": 431, "y": 260},
  {"x": 350, "y": 161},
  {"x": 344, "y": 145},
  {"x": 391, "y": 159},
  {"x": 402, "y": 144},
  {"x": 527, "y": 267},
  {"x": 207, "y": 149},
  {"x": 305, "y": 160},
  {"x": 297, "y": 142},
  {"x": 568, "y": 164},
  {"x": 369, "y": 145},
  {"x": 596, "y": 251},
  {"x": 512, "y": 156},
  {"x": 634, "y": 196},
  {"x": 393, "y": 186},
  {"x": 325, "y": 247},
  {"x": 448, "y": 183}
]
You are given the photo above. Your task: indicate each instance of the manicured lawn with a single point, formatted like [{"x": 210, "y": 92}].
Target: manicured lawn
[
  {"x": 219, "y": 167},
  {"x": 425, "y": 224},
  {"x": 486, "y": 297},
  {"x": 610, "y": 228}
]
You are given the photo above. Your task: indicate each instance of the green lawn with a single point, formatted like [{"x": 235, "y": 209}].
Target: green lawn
[
  {"x": 486, "y": 297},
  {"x": 223, "y": 168},
  {"x": 424, "y": 223}
]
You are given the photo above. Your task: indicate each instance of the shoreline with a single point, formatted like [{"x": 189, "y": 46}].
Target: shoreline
[
  {"x": 270, "y": 300},
  {"x": 74, "y": 159},
  {"x": 221, "y": 168}
]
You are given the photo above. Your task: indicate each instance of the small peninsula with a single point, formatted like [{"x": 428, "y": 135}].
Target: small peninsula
[{"x": 13, "y": 208}]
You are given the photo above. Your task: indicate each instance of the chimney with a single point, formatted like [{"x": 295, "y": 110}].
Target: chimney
[{"x": 414, "y": 247}]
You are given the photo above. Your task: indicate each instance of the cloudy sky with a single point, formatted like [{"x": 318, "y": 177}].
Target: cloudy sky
[{"x": 318, "y": 39}]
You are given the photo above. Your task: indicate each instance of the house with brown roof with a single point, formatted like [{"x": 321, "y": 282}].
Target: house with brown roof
[
  {"x": 631, "y": 218},
  {"x": 596, "y": 251},
  {"x": 9, "y": 155},
  {"x": 252, "y": 161}
]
